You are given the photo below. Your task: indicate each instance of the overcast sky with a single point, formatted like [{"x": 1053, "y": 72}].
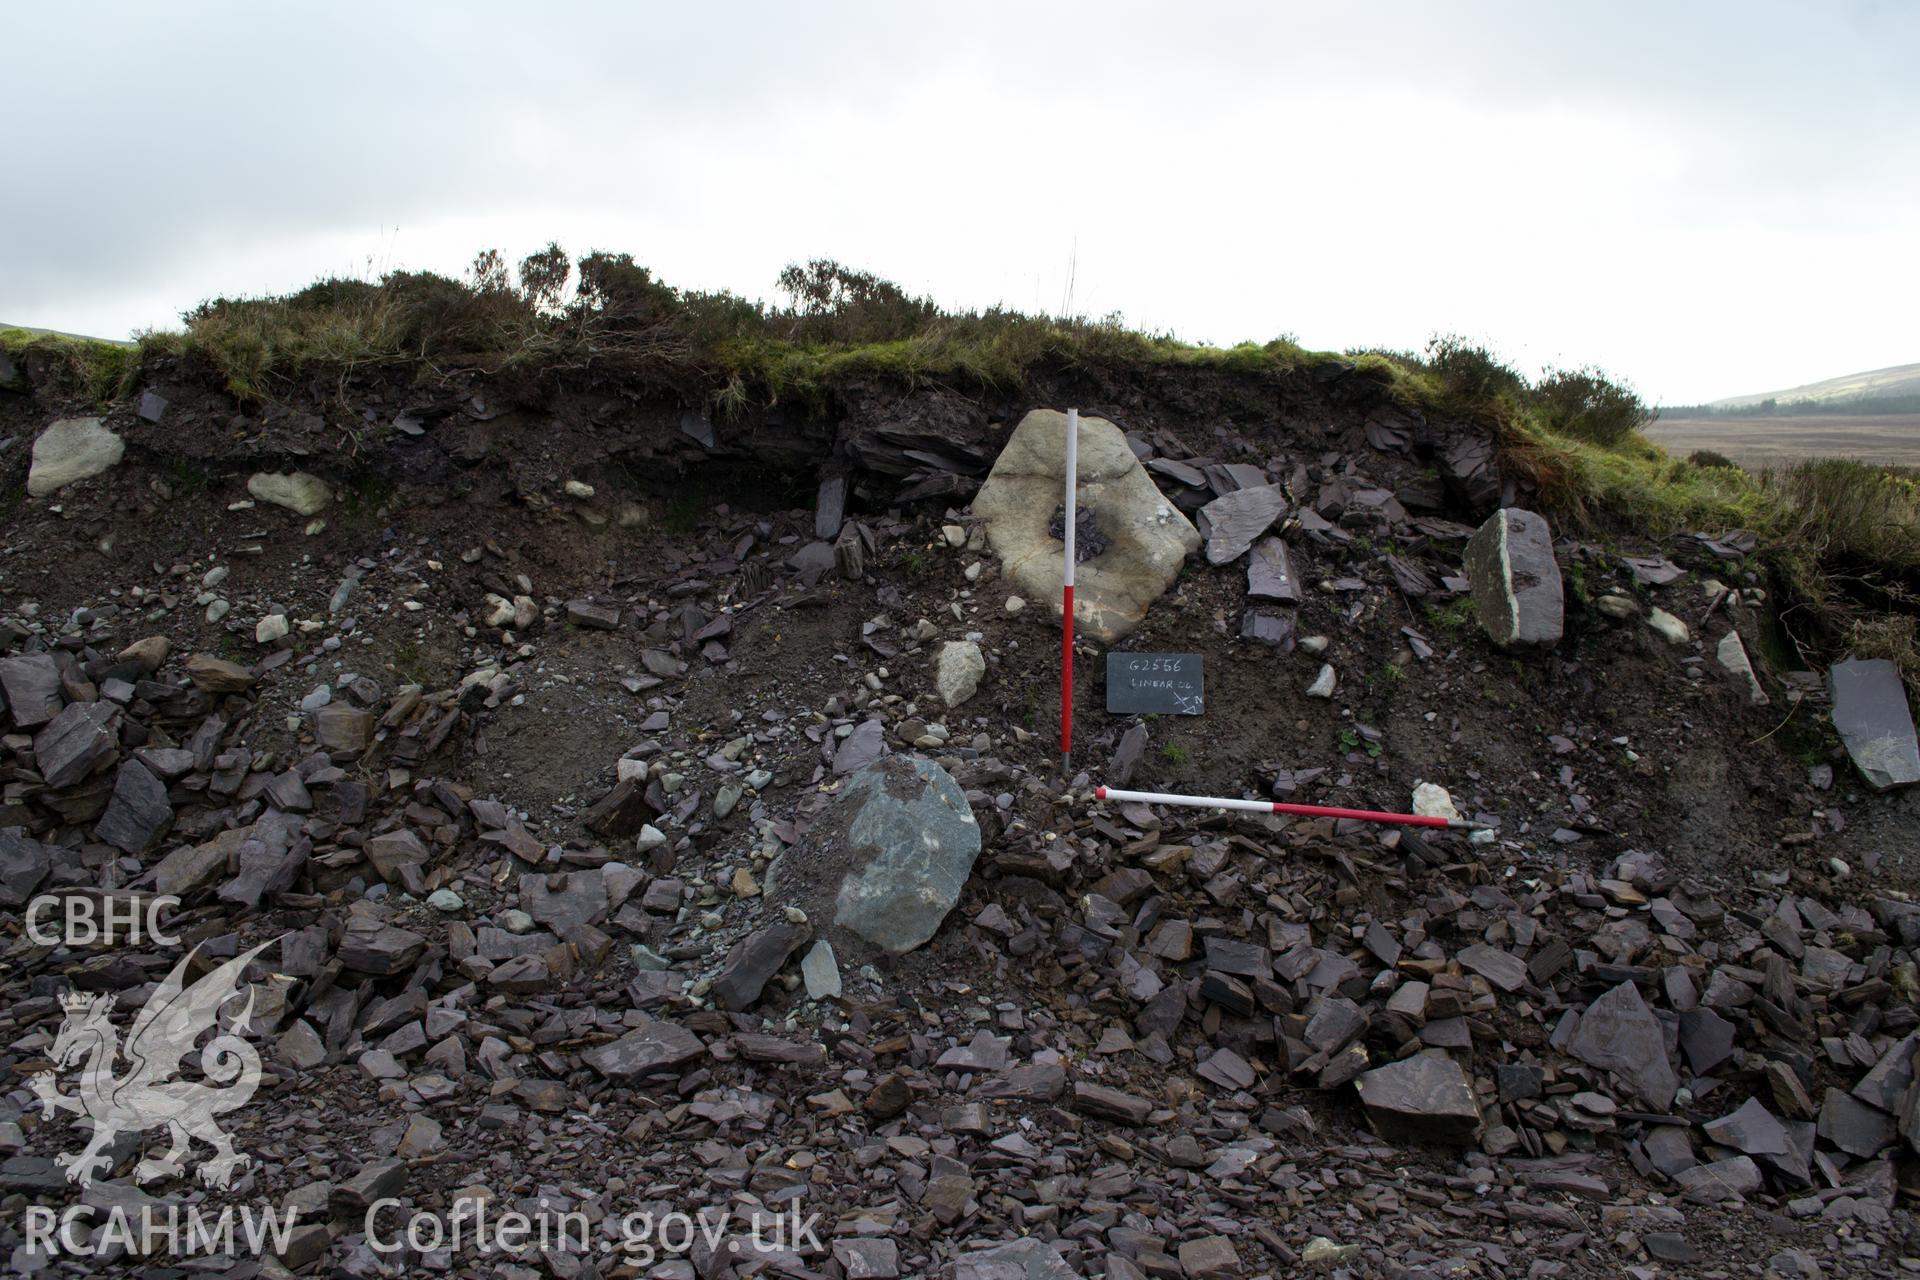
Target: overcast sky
[{"x": 1707, "y": 199}]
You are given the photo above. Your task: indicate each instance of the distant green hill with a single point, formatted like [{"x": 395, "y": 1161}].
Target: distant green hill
[
  {"x": 60, "y": 333},
  {"x": 1877, "y": 384}
]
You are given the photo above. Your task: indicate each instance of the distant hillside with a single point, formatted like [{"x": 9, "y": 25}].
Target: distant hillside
[
  {"x": 1900, "y": 380},
  {"x": 60, "y": 333}
]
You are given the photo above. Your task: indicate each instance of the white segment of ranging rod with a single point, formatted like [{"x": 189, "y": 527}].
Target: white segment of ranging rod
[
  {"x": 1191, "y": 802},
  {"x": 1073, "y": 474},
  {"x": 1066, "y": 593}
]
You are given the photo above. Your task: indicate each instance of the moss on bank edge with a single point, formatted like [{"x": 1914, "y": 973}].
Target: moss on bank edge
[{"x": 100, "y": 371}]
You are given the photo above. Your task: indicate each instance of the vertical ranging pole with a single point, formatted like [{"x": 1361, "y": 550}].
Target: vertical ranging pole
[{"x": 1066, "y": 634}]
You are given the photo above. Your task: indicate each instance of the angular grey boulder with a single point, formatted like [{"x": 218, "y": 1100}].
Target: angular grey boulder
[
  {"x": 1871, "y": 714},
  {"x": 1147, "y": 538},
  {"x": 957, "y": 671},
  {"x": 1731, "y": 654},
  {"x": 1516, "y": 581}
]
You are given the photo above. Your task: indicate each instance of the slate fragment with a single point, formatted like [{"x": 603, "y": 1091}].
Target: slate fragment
[
  {"x": 752, "y": 962},
  {"x": 654, "y": 1049},
  {"x": 1618, "y": 1033},
  {"x": 1871, "y": 714},
  {"x": 1426, "y": 1098}
]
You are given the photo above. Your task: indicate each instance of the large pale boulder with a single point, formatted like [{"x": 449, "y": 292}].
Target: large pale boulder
[
  {"x": 1516, "y": 581},
  {"x": 300, "y": 492},
  {"x": 1146, "y": 538},
  {"x": 71, "y": 450}
]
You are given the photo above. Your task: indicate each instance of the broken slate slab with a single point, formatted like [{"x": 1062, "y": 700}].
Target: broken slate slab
[
  {"x": 1275, "y": 630},
  {"x": 30, "y": 683},
  {"x": 1729, "y": 1179},
  {"x": 75, "y": 743},
  {"x": 217, "y": 675},
  {"x": 812, "y": 562},
  {"x": 1516, "y": 580},
  {"x": 394, "y": 850},
  {"x": 1706, "y": 1039},
  {"x": 1885, "y": 1086},
  {"x": 341, "y": 729},
  {"x": 1111, "y": 1104},
  {"x": 1752, "y": 1129},
  {"x": 830, "y": 507},
  {"x": 138, "y": 814},
  {"x": 1270, "y": 573},
  {"x": 1233, "y": 521},
  {"x": 1871, "y": 714},
  {"x": 1426, "y": 1098},
  {"x": 24, "y": 863},
  {"x": 376, "y": 947},
  {"x": 753, "y": 961},
  {"x": 1028, "y": 1258},
  {"x": 1853, "y": 1126},
  {"x": 593, "y": 617},
  {"x": 1127, "y": 756},
  {"x": 654, "y": 1049},
  {"x": 1618, "y": 1033},
  {"x": 866, "y": 744},
  {"x": 1502, "y": 968}
]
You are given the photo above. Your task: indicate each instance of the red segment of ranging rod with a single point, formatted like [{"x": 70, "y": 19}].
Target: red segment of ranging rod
[
  {"x": 1271, "y": 806},
  {"x": 1066, "y": 687}
]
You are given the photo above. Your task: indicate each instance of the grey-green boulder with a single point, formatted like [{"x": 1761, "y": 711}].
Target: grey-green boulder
[{"x": 887, "y": 858}]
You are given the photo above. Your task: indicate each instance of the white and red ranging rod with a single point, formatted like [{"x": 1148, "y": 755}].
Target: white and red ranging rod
[
  {"x": 1299, "y": 810},
  {"x": 1066, "y": 634}
]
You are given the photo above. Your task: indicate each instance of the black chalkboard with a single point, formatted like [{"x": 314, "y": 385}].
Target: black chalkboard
[{"x": 1172, "y": 684}]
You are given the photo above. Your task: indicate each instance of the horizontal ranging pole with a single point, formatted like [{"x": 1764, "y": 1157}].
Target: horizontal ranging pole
[{"x": 1299, "y": 810}]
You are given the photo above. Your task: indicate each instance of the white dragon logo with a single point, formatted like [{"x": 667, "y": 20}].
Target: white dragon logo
[{"x": 145, "y": 1096}]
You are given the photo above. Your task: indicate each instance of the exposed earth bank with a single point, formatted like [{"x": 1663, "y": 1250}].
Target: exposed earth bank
[{"x": 497, "y": 698}]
